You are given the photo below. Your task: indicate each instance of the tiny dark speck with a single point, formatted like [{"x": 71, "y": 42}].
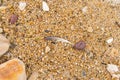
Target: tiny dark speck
[
  {"x": 80, "y": 45},
  {"x": 47, "y": 31}
]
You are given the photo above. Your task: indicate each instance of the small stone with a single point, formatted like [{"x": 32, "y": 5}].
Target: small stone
[
  {"x": 42, "y": 53},
  {"x": 33, "y": 76},
  {"x": 45, "y": 6},
  {"x": 110, "y": 40},
  {"x": 84, "y": 10},
  {"x": 114, "y": 71},
  {"x": 22, "y": 5},
  {"x": 47, "y": 31},
  {"x": 90, "y": 29},
  {"x": 83, "y": 73},
  {"x": 80, "y": 45},
  {"x": 47, "y": 49},
  {"x": 13, "y": 19},
  {"x": 13, "y": 70},
  {"x": 4, "y": 44},
  {"x": 112, "y": 68}
]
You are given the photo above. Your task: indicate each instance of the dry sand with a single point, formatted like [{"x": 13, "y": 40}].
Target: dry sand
[{"x": 93, "y": 21}]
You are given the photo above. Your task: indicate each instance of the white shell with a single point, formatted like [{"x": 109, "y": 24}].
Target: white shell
[
  {"x": 45, "y": 6},
  {"x": 22, "y": 5},
  {"x": 110, "y": 40},
  {"x": 112, "y": 68},
  {"x": 114, "y": 71}
]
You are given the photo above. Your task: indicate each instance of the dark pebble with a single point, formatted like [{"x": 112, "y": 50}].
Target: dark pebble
[
  {"x": 13, "y": 19},
  {"x": 47, "y": 31},
  {"x": 80, "y": 45}
]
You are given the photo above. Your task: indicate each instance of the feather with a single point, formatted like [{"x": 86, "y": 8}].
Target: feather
[{"x": 57, "y": 39}]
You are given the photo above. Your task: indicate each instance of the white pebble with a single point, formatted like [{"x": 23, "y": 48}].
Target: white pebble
[
  {"x": 47, "y": 49},
  {"x": 112, "y": 68},
  {"x": 114, "y": 71},
  {"x": 45, "y": 6},
  {"x": 22, "y": 5},
  {"x": 42, "y": 53},
  {"x": 90, "y": 29},
  {"x": 110, "y": 40},
  {"x": 84, "y": 10}
]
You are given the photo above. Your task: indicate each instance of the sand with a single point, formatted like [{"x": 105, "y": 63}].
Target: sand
[{"x": 93, "y": 21}]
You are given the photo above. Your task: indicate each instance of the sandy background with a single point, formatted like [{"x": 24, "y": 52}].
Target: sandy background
[{"x": 67, "y": 20}]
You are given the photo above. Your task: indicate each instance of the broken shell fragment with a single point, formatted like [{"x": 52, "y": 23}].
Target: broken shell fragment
[
  {"x": 110, "y": 40},
  {"x": 114, "y": 71},
  {"x": 4, "y": 44},
  {"x": 12, "y": 70},
  {"x": 45, "y": 6}
]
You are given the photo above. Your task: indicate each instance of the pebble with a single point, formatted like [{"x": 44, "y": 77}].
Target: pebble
[
  {"x": 22, "y": 5},
  {"x": 45, "y": 6},
  {"x": 13, "y": 19},
  {"x": 90, "y": 29},
  {"x": 83, "y": 73},
  {"x": 110, "y": 40},
  {"x": 4, "y": 44},
  {"x": 47, "y": 49},
  {"x": 13, "y": 70},
  {"x": 80, "y": 45},
  {"x": 42, "y": 53},
  {"x": 113, "y": 69},
  {"x": 84, "y": 9}
]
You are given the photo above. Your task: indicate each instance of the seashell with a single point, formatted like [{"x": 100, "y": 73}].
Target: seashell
[
  {"x": 114, "y": 71},
  {"x": 45, "y": 6},
  {"x": 22, "y": 5},
  {"x": 12, "y": 70},
  {"x": 4, "y": 44}
]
